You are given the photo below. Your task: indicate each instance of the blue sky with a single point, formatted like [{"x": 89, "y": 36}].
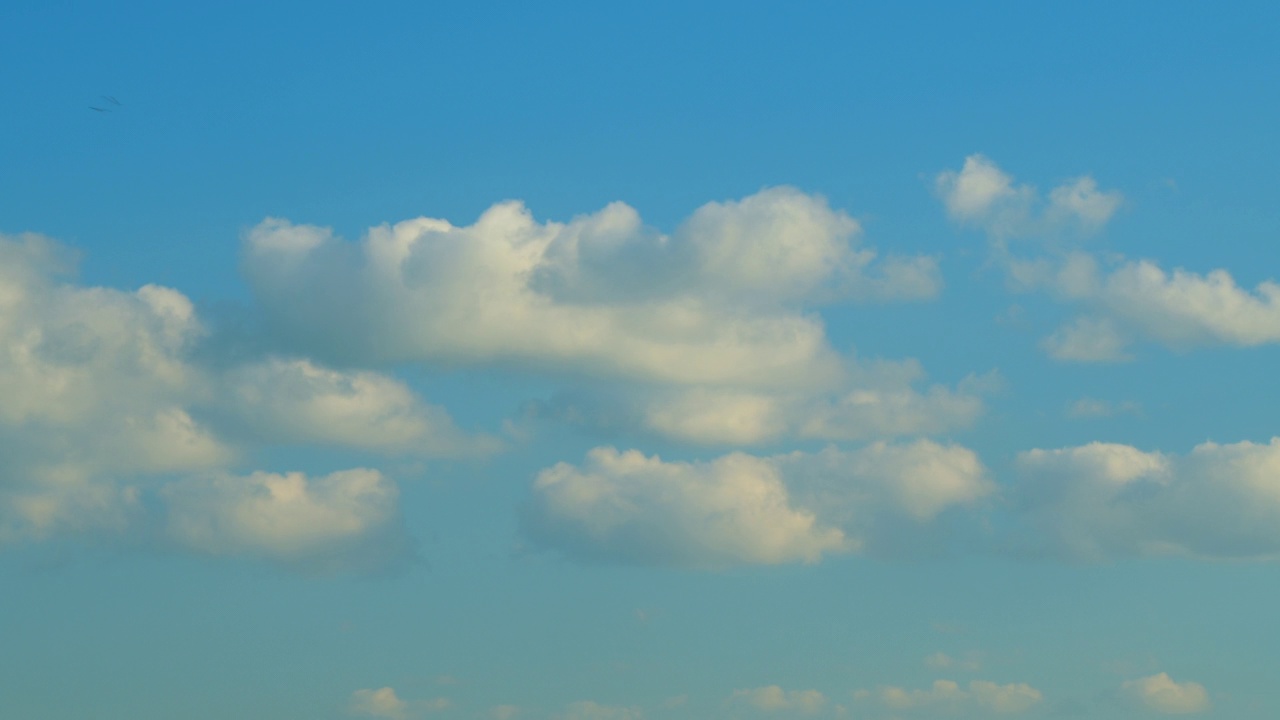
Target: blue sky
[{"x": 679, "y": 361}]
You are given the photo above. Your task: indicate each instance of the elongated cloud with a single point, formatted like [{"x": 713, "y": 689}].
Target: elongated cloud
[
  {"x": 1105, "y": 500},
  {"x": 717, "y": 303},
  {"x": 773, "y": 699},
  {"x": 948, "y": 697},
  {"x": 743, "y": 509}
]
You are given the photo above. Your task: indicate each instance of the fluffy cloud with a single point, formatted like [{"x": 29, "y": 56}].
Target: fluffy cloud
[
  {"x": 947, "y": 695},
  {"x": 382, "y": 703},
  {"x": 983, "y": 195},
  {"x": 1102, "y": 500},
  {"x": 774, "y": 699},
  {"x": 879, "y": 400},
  {"x": 716, "y": 303},
  {"x": 289, "y": 518},
  {"x": 1124, "y": 300},
  {"x": 744, "y": 509},
  {"x": 107, "y": 401},
  {"x": 296, "y": 401},
  {"x": 882, "y": 400},
  {"x": 1182, "y": 309},
  {"x": 1161, "y": 694},
  {"x": 95, "y": 387}
]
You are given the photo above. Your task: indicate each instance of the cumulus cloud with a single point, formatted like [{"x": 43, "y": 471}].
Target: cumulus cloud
[
  {"x": 95, "y": 387},
  {"x": 1183, "y": 309},
  {"x": 744, "y": 509},
  {"x": 950, "y": 696},
  {"x": 382, "y": 703},
  {"x": 1124, "y": 300},
  {"x": 284, "y": 517},
  {"x": 106, "y": 402},
  {"x": 773, "y": 699},
  {"x": 717, "y": 303},
  {"x": 295, "y": 400},
  {"x": 1104, "y": 500},
  {"x": 983, "y": 195},
  {"x": 1162, "y": 694}
]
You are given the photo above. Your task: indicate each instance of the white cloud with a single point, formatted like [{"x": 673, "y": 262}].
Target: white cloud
[
  {"x": 773, "y": 699},
  {"x": 1140, "y": 300},
  {"x": 383, "y": 703},
  {"x": 288, "y": 518},
  {"x": 943, "y": 661},
  {"x": 714, "y": 304},
  {"x": 1125, "y": 300},
  {"x": 591, "y": 710},
  {"x": 106, "y": 401},
  {"x": 297, "y": 401},
  {"x": 983, "y": 195},
  {"x": 1087, "y": 340},
  {"x": 504, "y": 712},
  {"x": 96, "y": 390},
  {"x": 950, "y": 696},
  {"x": 1102, "y": 500},
  {"x": 1161, "y": 694},
  {"x": 743, "y": 509},
  {"x": 878, "y": 400},
  {"x": 640, "y": 509}
]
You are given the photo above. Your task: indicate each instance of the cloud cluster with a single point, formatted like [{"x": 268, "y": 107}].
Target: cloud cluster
[
  {"x": 745, "y": 509},
  {"x": 1124, "y": 300},
  {"x": 983, "y": 195},
  {"x": 106, "y": 403},
  {"x": 707, "y": 327},
  {"x": 716, "y": 303},
  {"x": 1105, "y": 500}
]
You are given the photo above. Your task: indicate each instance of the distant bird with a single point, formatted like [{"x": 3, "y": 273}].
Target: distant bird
[{"x": 110, "y": 102}]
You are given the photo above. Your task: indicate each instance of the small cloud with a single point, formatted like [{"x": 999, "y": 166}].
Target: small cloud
[
  {"x": 382, "y": 703},
  {"x": 943, "y": 661},
  {"x": 504, "y": 712},
  {"x": 1163, "y": 695},
  {"x": 773, "y": 698},
  {"x": 1094, "y": 408}
]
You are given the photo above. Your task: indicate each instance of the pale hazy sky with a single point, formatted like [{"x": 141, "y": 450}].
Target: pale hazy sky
[{"x": 684, "y": 361}]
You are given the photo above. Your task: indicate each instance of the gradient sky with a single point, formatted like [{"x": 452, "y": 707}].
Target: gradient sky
[{"x": 618, "y": 362}]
